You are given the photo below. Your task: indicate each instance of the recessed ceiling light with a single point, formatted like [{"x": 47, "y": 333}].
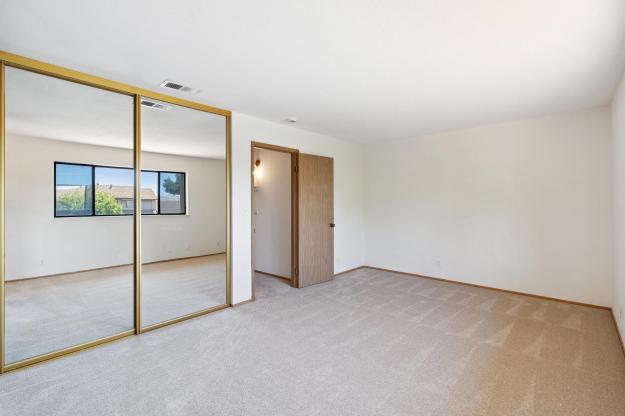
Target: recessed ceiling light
[
  {"x": 173, "y": 85},
  {"x": 292, "y": 119},
  {"x": 156, "y": 106}
]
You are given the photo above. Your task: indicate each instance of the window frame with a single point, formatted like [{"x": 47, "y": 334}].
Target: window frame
[
  {"x": 93, "y": 212},
  {"x": 92, "y": 189},
  {"x": 183, "y": 203},
  {"x": 158, "y": 192}
]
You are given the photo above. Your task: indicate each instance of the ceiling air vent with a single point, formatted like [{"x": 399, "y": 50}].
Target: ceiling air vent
[
  {"x": 154, "y": 105},
  {"x": 172, "y": 85}
]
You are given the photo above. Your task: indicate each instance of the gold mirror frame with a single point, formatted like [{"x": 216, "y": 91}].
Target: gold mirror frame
[{"x": 20, "y": 62}]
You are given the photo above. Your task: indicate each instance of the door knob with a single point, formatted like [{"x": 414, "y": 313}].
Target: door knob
[{"x": 332, "y": 225}]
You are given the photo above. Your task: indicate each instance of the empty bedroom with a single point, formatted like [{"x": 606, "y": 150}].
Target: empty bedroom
[{"x": 312, "y": 208}]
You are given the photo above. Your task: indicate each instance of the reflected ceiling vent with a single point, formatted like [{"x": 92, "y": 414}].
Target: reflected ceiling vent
[
  {"x": 156, "y": 106},
  {"x": 172, "y": 85}
]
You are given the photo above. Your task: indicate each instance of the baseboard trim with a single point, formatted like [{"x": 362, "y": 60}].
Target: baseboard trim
[
  {"x": 618, "y": 332},
  {"x": 531, "y": 295},
  {"x": 273, "y": 275},
  {"x": 350, "y": 270},
  {"x": 21, "y": 279},
  {"x": 183, "y": 258}
]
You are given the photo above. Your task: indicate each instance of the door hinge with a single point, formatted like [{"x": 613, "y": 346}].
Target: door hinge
[
  {"x": 295, "y": 168},
  {"x": 295, "y": 271}
]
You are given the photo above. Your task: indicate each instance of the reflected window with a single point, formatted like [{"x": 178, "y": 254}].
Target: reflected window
[
  {"x": 172, "y": 195},
  {"x": 161, "y": 192},
  {"x": 149, "y": 192},
  {"x": 114, "y": 191},
  {"x": 73, "y": 190}
]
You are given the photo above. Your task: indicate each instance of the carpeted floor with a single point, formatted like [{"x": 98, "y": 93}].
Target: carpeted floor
[
  {"x": 368, "y": 343},
  {"x": 50, "y": 313}
]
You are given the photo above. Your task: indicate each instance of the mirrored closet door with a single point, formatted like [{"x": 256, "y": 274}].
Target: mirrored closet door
[
  {"x": 69, "y": 198},
  {"x": 184, "y": 205},
  {"x": 115, "y": 213}
]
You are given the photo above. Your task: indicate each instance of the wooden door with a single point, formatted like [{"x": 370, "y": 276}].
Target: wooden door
[{"x": 316, "y": 219}]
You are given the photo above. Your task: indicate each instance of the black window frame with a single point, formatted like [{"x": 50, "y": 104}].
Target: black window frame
[
  {"x": 183, "y": 202},
  {"x": 158, "y": 191},
  {"x": 93, "y": 185},
  {"x": 92, "y": 190}
]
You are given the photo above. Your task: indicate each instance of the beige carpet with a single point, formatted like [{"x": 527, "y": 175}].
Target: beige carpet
[
  {"x": 50, "y": 313},
  {"x": 368, "y": 343}
]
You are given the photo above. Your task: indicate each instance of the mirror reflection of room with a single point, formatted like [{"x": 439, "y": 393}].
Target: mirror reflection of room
[
  {"x": 69, "y": 223},
  {"x": 183, "y": 157},
  {"x": 70, "y": 201},
  {"x": 272, "y": 217}
]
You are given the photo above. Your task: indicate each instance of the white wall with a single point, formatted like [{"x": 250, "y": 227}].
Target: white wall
[
  {"x": 272, "y": 213},
  {"x": 618, "y": 126},
  {"x": 38, "y": 244},
  {"x": 348, "y": 193},
  {"x": 523, "y": 205}
]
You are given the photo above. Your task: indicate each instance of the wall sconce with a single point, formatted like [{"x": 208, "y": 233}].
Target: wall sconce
[{"x": 258, "y": 173}]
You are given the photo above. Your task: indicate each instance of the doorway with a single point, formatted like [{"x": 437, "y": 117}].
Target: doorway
[
  {"x": 306, "y": 215},
  {"x": 274, "y": 213}
]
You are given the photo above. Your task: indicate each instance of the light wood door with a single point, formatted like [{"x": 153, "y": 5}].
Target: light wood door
[{"x": 316, "y": 219}]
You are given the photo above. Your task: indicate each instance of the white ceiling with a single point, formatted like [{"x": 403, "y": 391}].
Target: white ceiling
[
  {"x": 50, "y": 108},
  {"x": 357, "y": 69}
]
